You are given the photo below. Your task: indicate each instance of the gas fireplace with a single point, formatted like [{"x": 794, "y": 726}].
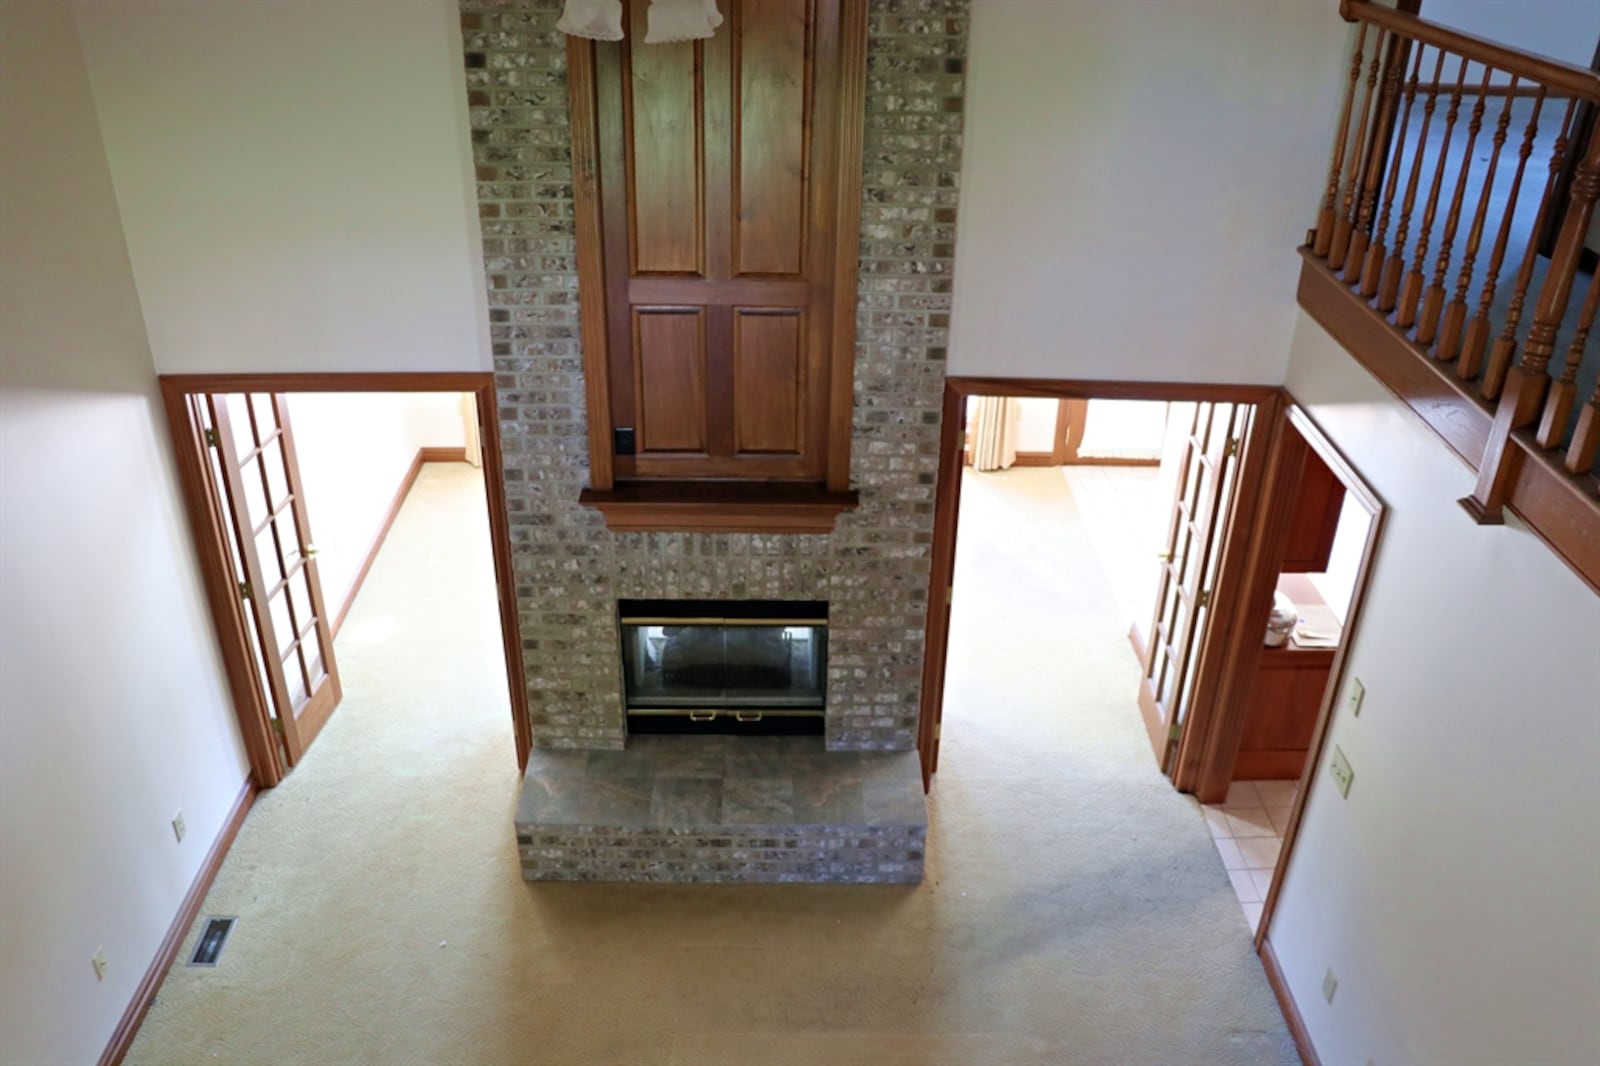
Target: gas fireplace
[{"x": 725, "y": 667}]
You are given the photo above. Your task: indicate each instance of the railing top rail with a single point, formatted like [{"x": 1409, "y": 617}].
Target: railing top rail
[{"x": 1552, "y": 73}]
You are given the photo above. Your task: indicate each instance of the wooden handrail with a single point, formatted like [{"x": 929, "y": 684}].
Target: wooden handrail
[{"x": 1552, "y": 73}]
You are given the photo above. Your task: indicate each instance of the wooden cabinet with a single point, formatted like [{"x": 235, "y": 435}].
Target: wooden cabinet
[
  {"x": 1316, "y": 518},
  {"x": 720, "y": 180},
  {"x": 1287, "y": 694}
]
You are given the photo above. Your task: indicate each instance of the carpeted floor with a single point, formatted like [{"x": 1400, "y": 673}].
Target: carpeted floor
[{"x": 1075, "y": 910}]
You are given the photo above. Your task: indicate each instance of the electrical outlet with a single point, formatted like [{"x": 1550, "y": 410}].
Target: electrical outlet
[
  {"x": 1342, "y": 774},
  {"x": 1330, "y": 985},
  {"x": 99, "y": 964},
  {"x": 178, "y": 826},
  {"x": 1353, "y": 698}
]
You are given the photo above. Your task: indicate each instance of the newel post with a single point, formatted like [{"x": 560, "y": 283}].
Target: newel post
[{"x": 1524, "y": 394}]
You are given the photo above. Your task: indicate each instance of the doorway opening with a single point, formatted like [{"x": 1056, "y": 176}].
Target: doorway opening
[
  {"x": 1240, "y": 506},
  {"x": 292, "y": 484}
]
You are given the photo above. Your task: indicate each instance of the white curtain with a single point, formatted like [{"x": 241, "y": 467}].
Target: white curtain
[{"x": 994, "y": 441}]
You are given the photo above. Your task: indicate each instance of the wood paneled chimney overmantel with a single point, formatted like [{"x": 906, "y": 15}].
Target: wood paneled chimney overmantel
[{"x": 718, "y": 187}]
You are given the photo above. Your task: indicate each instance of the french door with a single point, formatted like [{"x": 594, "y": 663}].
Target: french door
[
  {"x": 1206, "y": 474},
  {"x": 253, "y": 465}
]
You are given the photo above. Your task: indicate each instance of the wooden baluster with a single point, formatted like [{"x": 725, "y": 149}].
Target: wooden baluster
[
  {"x": 1344, "y": 224},
  {"x": 1564, "y": 391},
  {"x": 1477, "y": 338},
  {"x": 1406, "y": 315},
  {"x": 1395, "y": 66},
  {"x": 1323, "y": 241},
  {"x": 1586, "y": 438},
  {"x": 1527, "y": 382},
  {"x": 1389, "y": 283},
  {"x": 1505, "y": 347},
  {"x": 1433, "y": 303},
  {"x": 1378, "y": 250}
]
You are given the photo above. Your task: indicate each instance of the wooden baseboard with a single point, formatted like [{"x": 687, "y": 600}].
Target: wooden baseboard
[
  {"x": 1286, "y": 1003},
  {"x": 424, "y": 455},
  {"x": 1035, "y": 459},
  {"x": 1110, "y": 460},
  {"x": 145, "y": 994}
]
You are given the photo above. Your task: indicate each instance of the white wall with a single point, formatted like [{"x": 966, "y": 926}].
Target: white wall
[
  {"x": 1036, "y": 429},
  {"x": 295, "y": 181},
  {"x": 1136, "y": 178},
  {"x": 354, "y": 451},
  {"x": 113, "y": 711},
  {"x": 1562, "y": 29},
  {"x": 1454, "y": 892}
]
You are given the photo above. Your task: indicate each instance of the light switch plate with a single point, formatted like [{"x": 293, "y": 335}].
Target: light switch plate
[
  {"x": 1342, "y": 774},
  {"x": 1353, "y": 698}
]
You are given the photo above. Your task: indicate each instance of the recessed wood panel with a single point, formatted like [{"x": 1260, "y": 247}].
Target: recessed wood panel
[
  {"x": 670, "y": 353},
  {"x": 768, "y": 381},
  {"x": 773, "y": 89},
  {"x": 666, "y": 142}
]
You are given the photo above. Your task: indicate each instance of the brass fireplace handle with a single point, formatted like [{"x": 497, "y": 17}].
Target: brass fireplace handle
[
  {"x": 747, "y": 716},
  {"x": 702, "y": 716}
]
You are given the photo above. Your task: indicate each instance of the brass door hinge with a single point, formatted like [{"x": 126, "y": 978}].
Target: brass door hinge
[
  {"x": 1175, "y": 732},
  {"x": 245, "y": 591},
  {"x": 938, "y": 730},
  {"x": 277, "y": 726},
  {"x": 1204, "y": 599},
  {"x": 1233, "y": 446},
  {"x": 211, "y": 437}
]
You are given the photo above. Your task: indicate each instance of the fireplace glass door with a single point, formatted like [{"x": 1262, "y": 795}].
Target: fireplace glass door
[{"x": 726, "y": 663}]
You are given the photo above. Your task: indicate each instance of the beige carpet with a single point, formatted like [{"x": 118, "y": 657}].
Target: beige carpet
[{"x": 1075, "y": 910}]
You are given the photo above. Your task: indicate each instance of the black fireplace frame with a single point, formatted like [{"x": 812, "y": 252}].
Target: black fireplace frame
[{"x": 763, "y": 690}]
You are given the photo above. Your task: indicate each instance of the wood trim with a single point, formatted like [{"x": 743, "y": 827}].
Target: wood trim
[
  {"x": 1212, "y": 702},
  {"x": 207, "y": 525},
  {"x": 1553, "y": 503},
  {"x": 1576, "y": 80},
  {"x": 1082, "y": 389},
  {"x": 1111, "y": 460},
  {"x": 1416, "y": 379},
  {"x": 719, "y": 507},
  {"x": 1558, "y": 509},
  {"x": 128, "y": 1028},
  {"x": 947, "y": 500},
  {"x": 494, "y": 491},
  {"x": 378, "y": 381},
  {"x": 1357, "y": 490},
  {"x": 424, "y": 455},
  {"x": 849, "y": 162},
  {"x": 1286, "y": 1003},
  {"x": 1035, "y": 459},
  {"x": 941, "y": 575},
  {"x": 208, "y": 532},
  {"x": 591, "y": 256}
]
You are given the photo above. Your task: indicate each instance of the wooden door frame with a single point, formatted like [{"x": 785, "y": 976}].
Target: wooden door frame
[
  {"x": 1268, "y": 400},
  {"x": 1359, "y": 492},
  {"x": 208, "y": 527}
]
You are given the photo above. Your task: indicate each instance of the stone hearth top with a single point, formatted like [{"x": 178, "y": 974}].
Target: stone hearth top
[{"x": 666, "y": 782}]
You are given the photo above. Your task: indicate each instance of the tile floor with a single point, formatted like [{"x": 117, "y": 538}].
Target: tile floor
[{"x": 1247, "y": 828}]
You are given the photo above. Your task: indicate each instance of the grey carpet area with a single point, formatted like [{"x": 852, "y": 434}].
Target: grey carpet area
[{"x": 1075, "y": 910}]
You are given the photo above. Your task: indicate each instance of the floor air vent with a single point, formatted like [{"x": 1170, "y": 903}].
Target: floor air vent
[{"x": 212, "y": 940}]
